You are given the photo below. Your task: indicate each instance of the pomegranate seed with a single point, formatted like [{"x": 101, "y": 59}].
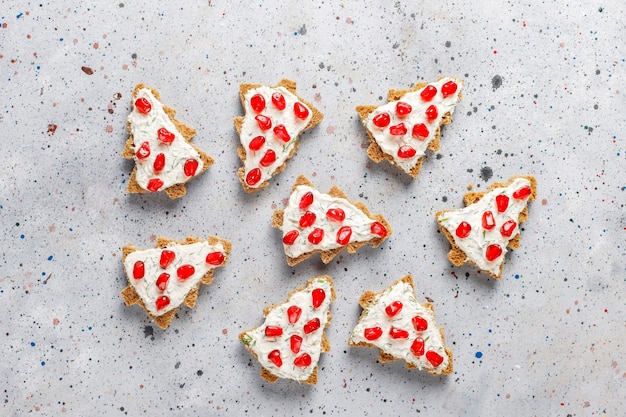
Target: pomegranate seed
[
  {"x": 336, "y": 214},
  {"x": 257, "y": 102},
  {"x": 290, "y": 237},
  {"x": 159, "y": 162},
  {"x": 274, "y": 356},
  {"x": 398, "y": 130},
  {"x": 278, "y": 101},
  {"x": 420, "y": 131},
  {"x": 293, "y": 314},
  {"x": 167, "y": 256},
  {"x": 302, "y": 361},
  {"x": 191, "y": 165},
  {"x": 161, "y": 282},
  {"x": 139, "y": 270},
  {"x": 215, "y": 258},
  {"x": 256, "y": 143},
  {"x": 316, "y": 236},
  {"x": 428, "y": 93},
  {"x": 185, "y": 271},
  {"x": 165, "y": 136},
  {"x": 281, "y": 133},
  {"x": 264, "y": 122},
  {"x": 372, "y": 333},
  {"x": 419, "y": 323},
  {"x": 396, "y": 333},
  {"x": 434, "y": 358},
  {"x": 431, "y": 113},
  {"x": 381, "y": 120},
  {"x": 502, "y": 202},
  {"x": 162, "y": 302},
  {"x": 493, "y": 252},
  {"x": 406, "y": 152},
  {"x": 253, "y": 177},
  {"x": 144, "y": 151},
  {"x": 154, "y": 184},
  {"x": 300, "y": 110},
  {"x": 271, "y": 331},
  {"x": 507, "y": 228},
  {"x": 268, "y": 159},
  {"x": 343, "y": 235},
  {"x": 317, "y": 297},
  {"x": 463, "y": 230},
  {"x": 307, "y": 219},
  {"x": 312, "y": 325},
  {"x": 488, "y": 221},
  {"x": 417, "y": 347},
  {"x": 143, "y": 106},
  {"x": 522, "y": 193},
  {"x": 402, "y": 108},
  {"x": 448, "y": 88},
  {"x": 393, "y": 308},
  {"x": 378, "y": 229},
  {"x": 306, "y": 200},
  {"x": 295, "y": 342}
]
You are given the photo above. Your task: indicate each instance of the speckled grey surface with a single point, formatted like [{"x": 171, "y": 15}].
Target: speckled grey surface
[{"x": 544, "y": 96}]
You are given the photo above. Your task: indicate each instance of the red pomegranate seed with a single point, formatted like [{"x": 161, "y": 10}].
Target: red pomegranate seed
[
  {"x": 317, "y": 297},
  {"x": 256, "y": 143},
  {"x": 144, "y": 151},
  {"x": 507, "y": 228},
  {"x": 522, "y": 193},
  {"x": 406, "y": 151},
  {"x": 488, "y": 220},
  {"x": 139, "y": 270},
  {"x": 159, "y": 162},
  {"x": 396, "y": 333},
  {"x": 402, "y": 108},
  {"x": 378, "y": 229},
  {"x": 336, "y": 214},
  {"x": 274, "y": 357},
  {"x": 143, "y": 106},
  {"x": 161, "y": 282},
  {"x": 417, "y": 347},
  {"x": 253, "y": 177},
  {"x": 448, "y": 88},
  {"x": 381, "y": 120},
  {"x": 272, "y": 331},
  {"x": 191, "y": 165},
  {"x": 162, "y": 302},
  {"x": 502, "y": 202},
  {"x": 431, "y": 113},
  {"x": 316, "y": 236},
  {"x": 293, "y": 314},
  {"x": 434, "y": 358},
  {"x": 306, "y": 200},
  {"x": 268, "y": 159},
  {"x": 428, "y": 93},
  {"x": 290, "y": 237},
  {"x": 215, "y": 258},
  {"x": 300, "y": 110},
  {"x": 302, "y": 361},
  {"x": 398, "y": 130},
  {"x": 264, "y": 122},
  {"x": 167, "y": 256},
  {"x": 257, "y": 102},
  {"x": 154, "y": 185},
  {"x": 420, "y": 131},
  {"x": 165, "y": 136},
  {"x": 281, "y": 133},
  {"x": 312, "y": 325},
  {"x": 463, "y": 230},
  {"x": 307, "y": 219},
  {"x": 295, "y": 342},
  {"x": 419, "y": 323},
  {"x": 343, "y": 235},
  {"x": 372, "y": 333},
  {"x": 279, "y": 101},
  {"x": 185, "y": 271},
  {"x": 493, "y": 252},
  {"x": 393, "y": 308}
]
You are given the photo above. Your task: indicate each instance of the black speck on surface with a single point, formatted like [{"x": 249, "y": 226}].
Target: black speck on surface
[
  {"x": 444, "y": 199},
  {"x": 148, "y": 331},
  {"x": 134, "y": 55},
  {"x": 439, "y": 156},
  {"x": 470, "y": 170},
  {"x": 448, "y": 44},
  {"x": 302, "y": 30},
  {"x": 486, "y": 173},
  {"x": 177, "y": 365},
  {"x": 496, "y": 82},
  {"x": 200, "y": 372}
]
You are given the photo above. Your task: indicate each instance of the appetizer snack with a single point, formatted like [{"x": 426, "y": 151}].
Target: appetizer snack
[
  {"x": 403, "y": 329},
  {"x": 269, "y": 131},
  {"x": 481, "y": 232},
  {"x": 163, "y": 278},
  {"x": 401, "y": 130},
  {"x": 314, "y": 222},
  {"x": 164, "y": 157},
  {"x": 290, "y": 341}
]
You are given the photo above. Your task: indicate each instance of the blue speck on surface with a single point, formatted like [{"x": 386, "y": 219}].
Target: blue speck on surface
[
  {"x": 19, "y": 15},
  {"x": 516, "y": 276},
  {"x": 50, "y": 257},
  {"x": 32, "y": 343},
  {"x": 43, "y": 363},
  {"x": 479, "y": 355},
  {"x": 21, "y": 236}
]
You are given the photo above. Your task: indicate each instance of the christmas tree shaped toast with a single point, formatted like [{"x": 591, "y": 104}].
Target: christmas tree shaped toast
[
  {"x": 162, "y": 278},
  {"x": 481, "y": 232},
  {"x": 403, "y": 329},
  {"x": 164, "y": 157},
  {"x": 401, "y": 130},
  {"x": 290, "y": 341},
  {"x": 314, "y": 222},
  {"x": 270, "y": 129}
]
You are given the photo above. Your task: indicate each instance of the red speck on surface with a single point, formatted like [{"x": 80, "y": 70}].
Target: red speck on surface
[
  {"x": 96, "y": 45},
  {"x": 55, "y": 321},
  {"x": 51, "y": 128},
  {"x": 330, "y": 130},
  {"x": 108, "y": 129},
  {"x": 224, "y": 331},
  {"x": 495, "y": 52},
  {"x": 87, "y": 70}
]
